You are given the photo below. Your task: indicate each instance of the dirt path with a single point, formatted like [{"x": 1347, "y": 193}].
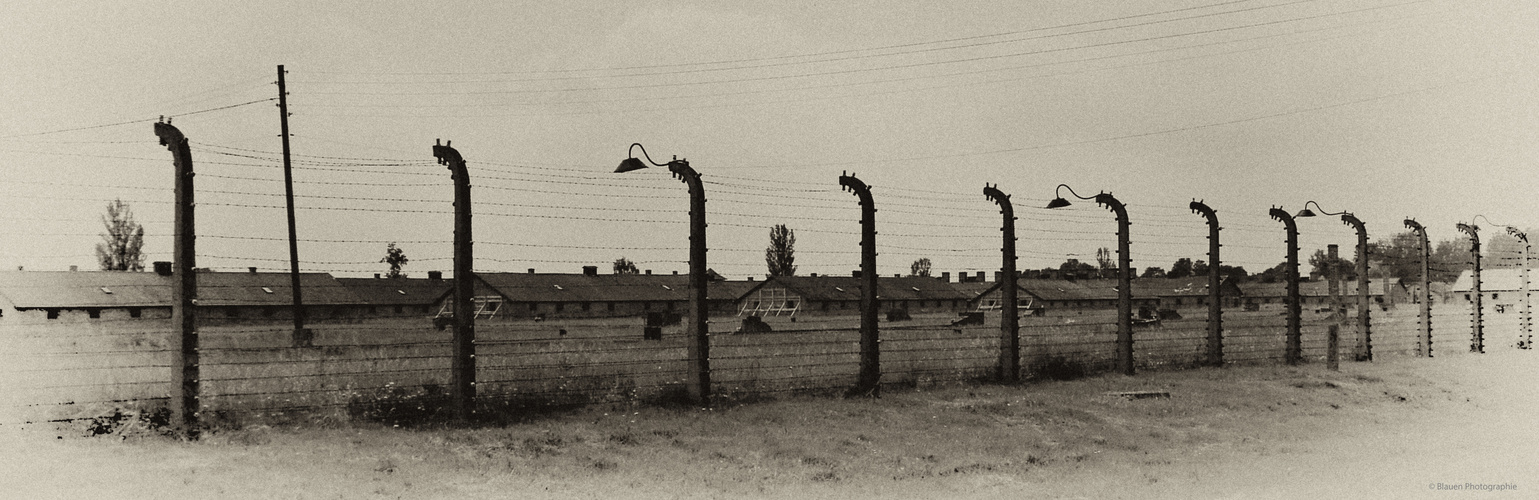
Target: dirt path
[{"x": 1389, "y": 429}]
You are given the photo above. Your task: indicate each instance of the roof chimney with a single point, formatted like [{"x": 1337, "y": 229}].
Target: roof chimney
[
  {"x": 750, "y": 278},
  {"x": 675, "y": 273},
  {"x": 435, "y": 275},
  {"x": 980, "y": 276},
  {"x": 814, "y": 275},
  {"x": 946, "y": 277},
  {"x": 376, "y": 275},
  {"x": 74, "y": 268},
  {"x": 251, "y": 269},
  {"x": 855, "y": 273},
  {"x": 531, "y": 270},
  {"x": 590, "y": 270},
  {"x": 649, "y": 272},
  {"x": 163, "y": 268}
]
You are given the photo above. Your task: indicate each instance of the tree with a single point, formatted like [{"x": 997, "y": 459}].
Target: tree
[
  {"x": 1181, "y": 269},
  {"x": 625, "y": 266},
  {"x": 920, "y": 267},
  {"x": 1400, "y": 255},
  {"x": 396, "y": 258},
  {"x": 1449, "y": 258},
  {"x": 780, "y": 256},
  {"x": 1275, "y": 274},
  {"x": 1236, "y": 273},
  {"x": 1073, "y": 268},
  {"x": 1103, "y": 260},
  {"x": 122, "y": 246},
  {"x": 1200, "y": 268},
  {"x": 1153, "y": 272},
  {"x": 1503, "y": 250},
  {"x": 1320, "y": 260}
]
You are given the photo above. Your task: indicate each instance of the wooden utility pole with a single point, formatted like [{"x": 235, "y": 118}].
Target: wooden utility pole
[
  {"x": 870, "y": 378},
  {"x": 301, "y": 336},
  {"x": 184, "y": 293}
]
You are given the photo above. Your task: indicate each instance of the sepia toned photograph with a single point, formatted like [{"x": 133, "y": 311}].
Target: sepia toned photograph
[{"x": 1061, "y": 249}]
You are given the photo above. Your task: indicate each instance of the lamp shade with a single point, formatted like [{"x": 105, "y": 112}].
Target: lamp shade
[
  {"x": 1058, "y": 203},
  {"x": 630, "y": 164},
  {"x": 1304, "y": 213}
]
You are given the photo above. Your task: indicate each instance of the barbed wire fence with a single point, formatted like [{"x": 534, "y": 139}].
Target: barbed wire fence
[{"x": 80, "y": 368}]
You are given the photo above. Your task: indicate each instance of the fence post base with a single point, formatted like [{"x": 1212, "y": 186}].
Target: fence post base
[{"x": 1332, "y": 348}]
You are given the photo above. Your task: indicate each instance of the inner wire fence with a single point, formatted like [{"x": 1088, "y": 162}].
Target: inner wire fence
[{"x": 79, "y": 369}]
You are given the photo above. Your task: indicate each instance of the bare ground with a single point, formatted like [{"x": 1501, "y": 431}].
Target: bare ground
[{"x": 1389, "y": 429}]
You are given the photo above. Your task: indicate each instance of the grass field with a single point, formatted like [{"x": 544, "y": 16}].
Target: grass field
[
  {"x": 77, "y": 368},
  {"x": 1390, "y": 429}
]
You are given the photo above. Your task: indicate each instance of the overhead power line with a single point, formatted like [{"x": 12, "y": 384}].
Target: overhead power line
[
  {"x": 1292, "y": 112},
  {"x": 144, "y": 120},
  {"x": 883, "y": 68},
  {"x": 809, "y": 54},
  {"x": 849, "y": 55},
  {"x": 745, "y": 92}
]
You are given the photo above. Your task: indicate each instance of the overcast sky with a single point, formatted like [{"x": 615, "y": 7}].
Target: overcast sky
[{"x": 1385, "y": 108}]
